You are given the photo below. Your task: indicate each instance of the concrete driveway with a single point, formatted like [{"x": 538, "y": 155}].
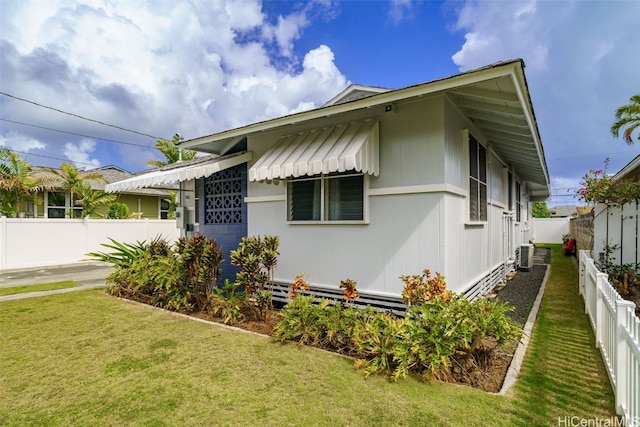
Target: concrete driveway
[{"x": 87, "y": 275}]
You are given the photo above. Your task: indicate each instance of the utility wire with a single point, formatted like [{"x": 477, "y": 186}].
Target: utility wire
[
  {"x": 77, "y": 134},
  {"x": 78, "y": 116},
  {"x": 50, "y": 157}
]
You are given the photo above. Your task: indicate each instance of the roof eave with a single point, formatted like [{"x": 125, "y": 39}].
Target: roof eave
[{"x": 470, "y": 77}]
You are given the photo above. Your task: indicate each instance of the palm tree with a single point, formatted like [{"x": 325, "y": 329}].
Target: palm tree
[
  {"x": 91, "y": 199},
  {"x": 171, "y": 152},
  {"x": 18, "y": 183},
  {"x": 628, "y": 116},
  {"x": 72, "y": 177}
]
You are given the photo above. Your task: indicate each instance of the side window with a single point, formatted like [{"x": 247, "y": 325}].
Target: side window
[
  {"x": 56, "y": 204},
  {"x": 164, "y": 209},
  {"x": 477, "y": 181},
  {"x": 327, "y": 198}
]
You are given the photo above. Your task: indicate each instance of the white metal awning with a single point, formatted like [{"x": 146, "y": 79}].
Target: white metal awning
[
  {"x": 182, "y": 171},
  {"x": 345, "y": 147}
]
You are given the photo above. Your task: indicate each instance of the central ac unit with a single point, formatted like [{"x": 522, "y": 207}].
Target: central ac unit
[{"x": 526, "y": 257}]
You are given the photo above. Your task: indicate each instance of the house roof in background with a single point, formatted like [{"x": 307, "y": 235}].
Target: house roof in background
[
  {"x": 109, "y": 173},
  {"x": 495, "y": 99},
  {"x": 630, "y": 171},
  {"x": 354, "y": 92}
]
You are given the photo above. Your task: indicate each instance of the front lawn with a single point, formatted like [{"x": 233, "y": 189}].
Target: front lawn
[{"x": 85, "y": 358}]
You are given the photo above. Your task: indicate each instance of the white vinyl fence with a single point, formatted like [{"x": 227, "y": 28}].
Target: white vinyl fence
[
  {"x": 617, "y": 331},
  {"x": 39, "y": 242},
  {"x": 550, "y": 230}
]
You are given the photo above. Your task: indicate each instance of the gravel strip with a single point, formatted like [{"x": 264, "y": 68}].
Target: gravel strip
[{"x": 521, "y": 291}]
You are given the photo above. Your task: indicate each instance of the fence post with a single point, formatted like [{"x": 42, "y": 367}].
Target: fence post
[
  {"x": 3, "y": 242},
  {"x": 622, "y": 362},
  {"x": 581, "y": 259},
  {"x": 601, "y": 279}
]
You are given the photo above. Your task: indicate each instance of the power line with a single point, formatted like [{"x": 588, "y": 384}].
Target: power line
[
  {"x": 49, "y": 157},
  {"x": 78, "y": 116},
  {"x": 77, "y": 134}
]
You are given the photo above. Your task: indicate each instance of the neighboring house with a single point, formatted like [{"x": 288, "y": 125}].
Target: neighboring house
[
  {"x": 563, "y": 212},
  {"x": 380, "y": 183},
  {"x": 617, "y": 227},
  {"x": 569, "y": 211},
  {"x": 56, "y": 203}
]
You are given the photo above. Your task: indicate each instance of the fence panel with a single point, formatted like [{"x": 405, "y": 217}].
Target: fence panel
[
  {"x": 550, "y": 230},
  {"x": 617, "y": 331},
  {"x": 38, "y": 242}
]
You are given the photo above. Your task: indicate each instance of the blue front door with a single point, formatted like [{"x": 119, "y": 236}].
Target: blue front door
[{"x": 224, "y": 213}]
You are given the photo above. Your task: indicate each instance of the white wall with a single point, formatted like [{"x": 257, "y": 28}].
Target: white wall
[
  {"x": 37, "y": 242},
  {"x": 550, "y": 230}
]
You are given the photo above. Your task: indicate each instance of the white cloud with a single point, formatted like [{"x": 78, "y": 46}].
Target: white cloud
[
  {"x": 159, "y": 67},
  {"x": 497, "y": 31},
  {"x": 580, "y": 66},
  {"x": 80, "y": 153},
  {"x": 400, "y": 10},
  {"x": 21, "y": 143}
]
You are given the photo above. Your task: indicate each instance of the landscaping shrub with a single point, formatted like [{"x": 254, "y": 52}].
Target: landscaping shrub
[
  {"x": 257, "y": 258},
  {"x": 178, "y": 278},
  {"x": 442, "y": 335}
]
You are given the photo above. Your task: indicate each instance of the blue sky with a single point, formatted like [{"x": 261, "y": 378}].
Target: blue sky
[{"x": 199, "y": 67}]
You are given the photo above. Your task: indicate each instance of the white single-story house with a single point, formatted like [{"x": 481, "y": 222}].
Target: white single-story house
[{"x": 380, "y": 183}]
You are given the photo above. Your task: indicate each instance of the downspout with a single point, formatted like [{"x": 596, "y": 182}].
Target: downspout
[
  {"x": 621, "y": 234},
  {"x": 636, "y": 233}
]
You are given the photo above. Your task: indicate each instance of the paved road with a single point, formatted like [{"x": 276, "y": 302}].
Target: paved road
[{"x": 87, "y": 275}]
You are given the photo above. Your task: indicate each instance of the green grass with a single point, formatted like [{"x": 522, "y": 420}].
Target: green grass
[
  {"x": 37, "y": 288},
  {"x": 84, "y": 358},
  {"x": 563, "y": 374}
]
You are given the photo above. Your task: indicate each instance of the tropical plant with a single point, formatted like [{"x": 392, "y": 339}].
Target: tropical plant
[
  {"x": 228, "y": 302},
  {"x": 118, "y": 211},
  {"x": 298, "y": 285},
  {"x": 627, "y": 118},
  {"x": 350, "y": 292},
  {"x": 18, "y": 183},
  {"x": 599, "y": 187},
  {"x": 257, "y": 258},
  {"x": 74, "y": 182},
  {"x": 423, "y": 287},
  {"x": 89, "y": 199},
  {"x": 122, "y": 254},
  {"x": 201, "y": 258},
  {"x": 172, "y": 203},
  {"x": 171, "y": 152}
]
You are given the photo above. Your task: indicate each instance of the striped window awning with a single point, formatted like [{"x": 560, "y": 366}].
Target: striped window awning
[
  {"x": 345, "y": 147},
  {"x": 178, "y": 172}
]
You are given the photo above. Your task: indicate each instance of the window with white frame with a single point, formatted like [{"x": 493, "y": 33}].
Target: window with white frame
[
  {"x": 327, "y": 198},
  {"x": 59, "y": 205},
  {"x": 477, "y": 181}
]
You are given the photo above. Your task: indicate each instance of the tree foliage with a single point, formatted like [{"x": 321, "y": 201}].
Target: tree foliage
[
  {"x": 540, "y": 210},
  {"x": 18, "y": 183},
  {"x": 627, "y": 118},
  {"x": 171, "y": 152},
  {"x": 74, "y": 182},
  {"x": 598, "y": 187}
]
